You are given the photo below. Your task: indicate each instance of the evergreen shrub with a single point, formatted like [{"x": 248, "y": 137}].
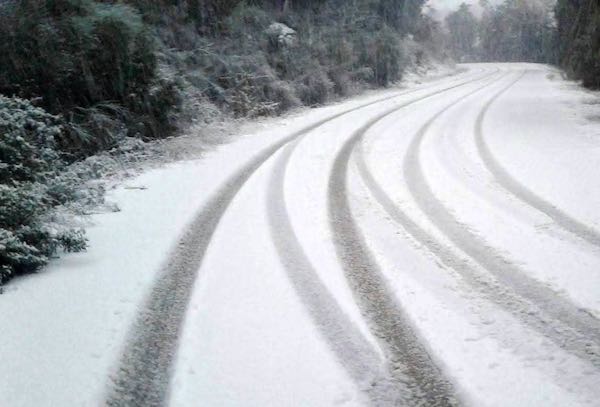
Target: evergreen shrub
[{"x": 30, "y": 186}]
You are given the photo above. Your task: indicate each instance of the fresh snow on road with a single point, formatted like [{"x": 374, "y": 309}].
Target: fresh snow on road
[{"x": 436, "y": 244}]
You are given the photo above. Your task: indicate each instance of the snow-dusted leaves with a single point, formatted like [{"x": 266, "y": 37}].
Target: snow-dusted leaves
[{"x": 30, "y": 186}]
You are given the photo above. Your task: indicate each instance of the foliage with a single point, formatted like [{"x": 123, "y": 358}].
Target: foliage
[
  {"x": 29, "y": 186},
  {"x": 247, "y": 72},
  {"x": 77, "y": 57},
  {"x": 386, "y": 60},
  {"x": 462, "y": 26},
  {"x": 579, "y": 38},
  {"x": 518, "y": 31}
]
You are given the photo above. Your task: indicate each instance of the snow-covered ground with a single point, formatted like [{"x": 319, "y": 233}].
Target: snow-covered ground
[{"x": 437, "y": 243}]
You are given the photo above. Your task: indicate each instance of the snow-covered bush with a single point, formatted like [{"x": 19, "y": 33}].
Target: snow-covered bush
[
  {"x": 30, "y": 186},
  {"x": 29, "y": 137}
]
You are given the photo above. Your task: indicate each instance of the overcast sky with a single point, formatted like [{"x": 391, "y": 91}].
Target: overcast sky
[
  {"x": 444, "y": 6},
  {"x": 449, "y": 3}
]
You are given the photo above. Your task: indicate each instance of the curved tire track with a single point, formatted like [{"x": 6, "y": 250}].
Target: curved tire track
[
  {"x": 142, "y": 379},
  {"x": 499, "y": 294},
  {"x": 142, "y": 375},
  {"x": 574, "y": 329},
  {"x": 408, "y": 360},
  {"x": 362, "y": 363},
  {"x": 520, "y": 191}
]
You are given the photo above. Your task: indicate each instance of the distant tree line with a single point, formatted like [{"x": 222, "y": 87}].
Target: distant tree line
[
  {"x": 562, "y": 32},
  {"x": 513, "y": 31}
]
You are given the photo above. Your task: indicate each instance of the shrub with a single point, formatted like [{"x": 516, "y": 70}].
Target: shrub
[
  {"x": 79, "y": 56},
  {"x": 282, "y": 93},
  {"x": 28, "y": 140},
  {"x": 315, "y": 88},
  {"x": 341, "y": 81},
  {"x": 29, "y": 187},
  {"x": 246, "y": 24},
  {"x": 383, "y": 55},
  {"x": 74, "y": 53}
]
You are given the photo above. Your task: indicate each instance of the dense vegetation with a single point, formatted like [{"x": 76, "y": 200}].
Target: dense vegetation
[
  {"x": 579, "y": 39},
  {"x": 30, "y": 183},
  {"x": 79, "y": 76},
  {"x": 92, "y": 63}
]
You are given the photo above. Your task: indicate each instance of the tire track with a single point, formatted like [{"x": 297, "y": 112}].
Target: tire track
[
  {"x": 572, "y": 328},
  {"x": 408, "y": 360},
  {"x": 142, "y": 379},
  {"x": 344, "y": 339},
  {"x": 142, "y": 375},
  {"x": 499, "y": 294},
  {"x": 354, "y": 353},
  {"x": 520, "y": 191}
]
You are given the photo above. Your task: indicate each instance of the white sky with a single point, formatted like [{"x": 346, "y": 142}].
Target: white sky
[
  {"x": 444, "y": 6},
  {"x": 449, "y": 3}
]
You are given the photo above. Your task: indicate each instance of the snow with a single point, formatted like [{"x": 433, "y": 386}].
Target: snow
[
  {"x": 254, "y": 334},
  {"x": 547, "y": 146},
  {"x": 64, "y": 328},
  {"x": 507, "y": 224},
  {"x": 482, "y": 346},
  {"x": 263, "y": 328}
]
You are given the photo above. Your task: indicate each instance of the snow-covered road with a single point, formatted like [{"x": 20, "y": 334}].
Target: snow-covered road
[{"x": 429, "y": 246}]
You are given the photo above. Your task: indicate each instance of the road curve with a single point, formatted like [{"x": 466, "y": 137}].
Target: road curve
[
  {"x": 143, "y": 376},
  {"x": 406, "y": 355},
  {"x": 352, "y": 350},
  {"x": 519, "y": 190},
  {"x": 580, "y": 331},
  {"x": 330, "y": 270}
]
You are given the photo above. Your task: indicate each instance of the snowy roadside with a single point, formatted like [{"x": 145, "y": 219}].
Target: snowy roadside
[{"x": 63, "y": 329}]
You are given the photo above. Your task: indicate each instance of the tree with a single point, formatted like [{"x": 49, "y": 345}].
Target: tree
[
  {"x": 578, "y": 24},
  {"x": 517, "y": 30},
  {"x": 462, "y": 26}
]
